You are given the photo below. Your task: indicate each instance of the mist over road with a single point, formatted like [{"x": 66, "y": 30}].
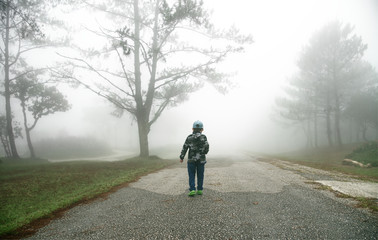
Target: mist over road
[{"x": 244, "y": 198}]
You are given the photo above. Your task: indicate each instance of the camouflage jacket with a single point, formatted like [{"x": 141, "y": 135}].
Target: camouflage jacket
[{"x": 198, "y": 147}]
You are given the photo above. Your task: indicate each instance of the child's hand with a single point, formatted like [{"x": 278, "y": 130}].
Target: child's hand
[{"x": 181, "y": 160}]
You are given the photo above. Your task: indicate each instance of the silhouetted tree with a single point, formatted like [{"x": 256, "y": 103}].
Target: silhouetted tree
[
  {"x": 20, "y": 27},
  {"x": 158, "y": 65},
  {"x": 331, "y": 72},
  {"x": 38, "y": 99},
  {"x": 17, "y": 24}
]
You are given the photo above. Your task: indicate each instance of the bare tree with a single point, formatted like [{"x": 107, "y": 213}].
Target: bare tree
[
  {"x": 331, "y": 58},
  {"x": 163, "y": 52}
]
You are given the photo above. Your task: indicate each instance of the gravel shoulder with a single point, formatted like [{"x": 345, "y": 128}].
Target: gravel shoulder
[{"x": 244, "y": 198}]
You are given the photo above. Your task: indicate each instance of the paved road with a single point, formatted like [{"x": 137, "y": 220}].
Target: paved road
[{"x": 244, "y": 198}]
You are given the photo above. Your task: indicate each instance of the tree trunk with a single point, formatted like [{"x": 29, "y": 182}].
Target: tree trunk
[
  {"x": 5, "y": 142},
  {"x": 376, "y": 124},
  {"x": 350, "y": 123},
  {"x": 337, "y": 128},
  {"x": 143, "y": 130},
  {"x": 337, "y": 119},
  {"x": 8, "y": 110},
  {"x": 151, "y": 86},
  {"x": 335, "y": 92},
  {"x": 329, "y": 130},
  {"x": 309, "y": 137},
  {"x": 143, "y": 108},
  {"x": 140, "y": 110},
  {"x": 328, "y": 121},
  {"x": 358, "y": 133},
  {"x": 315, "y": 129},
  {"x": 30, "y": 145},
  {"x": 27, "y": 131},
  {"x": 364, "y": 129}
]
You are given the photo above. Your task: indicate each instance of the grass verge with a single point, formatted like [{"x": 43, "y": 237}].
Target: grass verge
[
  {"x": 363, "y": 202},
  {"x": 31, "y": 191},
  {"x": 329, "y": 159},
  {"x": 366, "y": 154},
  {"x": 369, "y": 203}
]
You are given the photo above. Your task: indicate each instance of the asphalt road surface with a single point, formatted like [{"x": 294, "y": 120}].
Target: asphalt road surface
[{"x": 244, "y": 198}]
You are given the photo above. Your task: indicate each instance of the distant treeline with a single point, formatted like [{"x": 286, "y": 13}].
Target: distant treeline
[
  {"x": 71, "y": 147},
  {"x": 334, "y": 95}
]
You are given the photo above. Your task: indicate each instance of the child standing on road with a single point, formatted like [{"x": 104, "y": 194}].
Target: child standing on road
[{"x": 198, "y": 148}]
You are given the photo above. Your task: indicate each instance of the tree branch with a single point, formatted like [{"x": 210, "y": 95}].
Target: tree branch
[
  {"x": 159, "y": 111},
  {"x": 29, "y": 71},
  {"x": 36, "y": 118},
  {"x": 128, "y": 106},
  {"x": 180, "y": 73},
  {"x": 109, "y": 12},
  {"x": 124, "y": 72},
  {"x": 18, "y": 52},
  {"x": 97, "y": 72}
]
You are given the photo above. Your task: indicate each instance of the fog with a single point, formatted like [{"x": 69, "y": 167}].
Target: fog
[{"x": 240, "y": 120}]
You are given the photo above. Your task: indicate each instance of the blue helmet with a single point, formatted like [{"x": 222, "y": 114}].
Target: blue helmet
[{"x": 198, "y": 124}]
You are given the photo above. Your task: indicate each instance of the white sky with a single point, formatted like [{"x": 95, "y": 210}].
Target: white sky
[{"x": 280, "y": 29}]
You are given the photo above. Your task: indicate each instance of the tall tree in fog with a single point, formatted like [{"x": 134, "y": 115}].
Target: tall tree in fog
[
  {"x": 164, "y": 50},
  {"x": 300, "y": 107},
  {"x": 17, "y": 24},
  {"x": 20, "y": 33},
  {"x": 331, "y": 72},
  {"x": 38, "y": 99},
  {"x": 331, "y": 61}
]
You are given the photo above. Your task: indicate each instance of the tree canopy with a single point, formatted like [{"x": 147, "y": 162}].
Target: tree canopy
[
  {"x": 331, "y": 74},
  {"x": 38, "y": 99}
]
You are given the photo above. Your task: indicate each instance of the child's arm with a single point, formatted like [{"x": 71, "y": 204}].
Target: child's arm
[
  {"x": 206, "y": 146},
  {"x": 184, "y": 150}
]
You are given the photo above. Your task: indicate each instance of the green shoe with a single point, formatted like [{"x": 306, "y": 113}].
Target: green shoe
[
  {"x": 199, "y": 192},
  {"x": 192, "y": 193}
]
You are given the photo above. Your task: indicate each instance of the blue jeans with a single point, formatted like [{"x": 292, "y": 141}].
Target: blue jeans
[{"x": 193, "y": 168}]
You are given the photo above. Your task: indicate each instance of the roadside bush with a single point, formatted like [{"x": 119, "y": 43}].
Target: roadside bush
[{"x": 367, "y": 153}]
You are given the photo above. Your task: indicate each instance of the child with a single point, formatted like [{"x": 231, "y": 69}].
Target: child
[{"x": 198, "y": 148}]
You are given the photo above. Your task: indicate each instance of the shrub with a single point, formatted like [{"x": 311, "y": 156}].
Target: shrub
[{"x": 367, "y": 153}]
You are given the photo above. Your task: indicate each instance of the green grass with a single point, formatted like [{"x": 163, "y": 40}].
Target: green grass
[
  {"x": 30, "y": 191},
  {"x": 368, "y": 203},
  {"x": 366, "y": 154},
  {"x": 329, "y": 159}
]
